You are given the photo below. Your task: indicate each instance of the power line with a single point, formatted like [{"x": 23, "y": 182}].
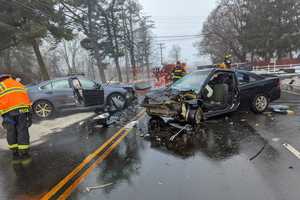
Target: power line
[{"x": 179, "y": 36}]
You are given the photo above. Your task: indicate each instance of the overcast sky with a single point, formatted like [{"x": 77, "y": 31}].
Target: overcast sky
[{"x": 179, "y": 17}]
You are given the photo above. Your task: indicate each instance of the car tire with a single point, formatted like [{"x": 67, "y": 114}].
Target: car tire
[
  {"x": 260, "y": 103},
  {"x": 43, "y": 109},
  {"x": 113, "y": 104},
  {"x": 195, "y": 116}
]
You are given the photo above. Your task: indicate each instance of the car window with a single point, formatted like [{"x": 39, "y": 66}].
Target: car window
[
  {"x": 61, "y": 85},
  {"x": 46, "y": 87},
  {"x": 193, "y": 81},
  {"x": 87, "y": 84},
  {"x": 245, "y": 78}
]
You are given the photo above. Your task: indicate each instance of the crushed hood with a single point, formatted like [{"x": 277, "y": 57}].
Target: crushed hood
[{"x": 162, "y": 96}]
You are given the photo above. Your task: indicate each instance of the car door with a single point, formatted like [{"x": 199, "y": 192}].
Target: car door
[
  {"x": 224, "y": 97},
  {"x": 93, "y": 93},
  {"x": 62, "y": 93},
  {"x": 249, "y": 86}
]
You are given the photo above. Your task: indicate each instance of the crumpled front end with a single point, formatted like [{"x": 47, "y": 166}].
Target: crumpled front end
[{"x": 167, "y": 103}]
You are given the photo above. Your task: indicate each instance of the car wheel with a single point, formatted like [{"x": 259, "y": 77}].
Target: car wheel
[
  {"x": 260, "y": 103},
  {"x": 195, "y": 116},
  {"x": 116, "y": 102},
  {"x": 43, "y": 109}
]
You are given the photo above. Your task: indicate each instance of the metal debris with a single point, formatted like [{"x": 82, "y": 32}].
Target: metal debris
[
  {"x": 174, "y": 136},
  {"x": 88, "y": 189}
]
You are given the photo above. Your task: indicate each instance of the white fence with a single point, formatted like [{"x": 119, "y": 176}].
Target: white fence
[{"x": 275, "y": 68}]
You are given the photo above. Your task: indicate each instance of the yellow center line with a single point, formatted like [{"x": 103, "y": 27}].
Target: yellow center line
[
  {"x": 87, "y": 160},
  {"x": 74, "y": 185}
]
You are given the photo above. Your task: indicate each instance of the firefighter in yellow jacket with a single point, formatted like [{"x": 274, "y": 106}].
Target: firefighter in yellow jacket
[
  {"x": 227, "y": 62},
  {"x": 15, "y": 107},
  {"x": 178, "y": 72}
]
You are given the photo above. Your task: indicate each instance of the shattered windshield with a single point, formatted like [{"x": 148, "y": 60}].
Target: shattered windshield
[{"x": 193, "y": 81}]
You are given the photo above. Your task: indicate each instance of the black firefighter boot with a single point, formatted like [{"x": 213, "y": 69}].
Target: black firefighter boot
[
  {"x": 24, "y": 154},
  {"x": 15, "y": 153}
]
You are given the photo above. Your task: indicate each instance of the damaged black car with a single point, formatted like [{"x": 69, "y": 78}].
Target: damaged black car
[{"x": 212, "y": 92}]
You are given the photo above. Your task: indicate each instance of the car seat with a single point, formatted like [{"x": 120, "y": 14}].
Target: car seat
[
  {"x": 220, "y": 95},
  {"x": 219, "y": 100}
]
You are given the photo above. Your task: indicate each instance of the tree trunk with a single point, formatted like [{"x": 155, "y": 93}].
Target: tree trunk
[
  {"x": 127, "y": 67},
  {"x": 148, "y": 67},
  {"x": 131, "y": 49},
  {"x": 118, "y": 69},
  {"x": 116, "y": 50},
  {"x": 100, "y": 67},
  {"x": 43, "y": 68}
]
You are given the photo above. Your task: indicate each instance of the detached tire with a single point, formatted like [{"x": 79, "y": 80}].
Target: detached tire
[
  {"x": 260, "y": 103},
  {"x": 43, "y": 109}
]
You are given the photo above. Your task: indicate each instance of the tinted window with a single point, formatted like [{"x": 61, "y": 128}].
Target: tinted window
[
  {"x": 60, "y": 85},
  {"x": 87, "y": 84},
  {"x": 245, "y": 78},
  {"x": 47, "y": 87}
]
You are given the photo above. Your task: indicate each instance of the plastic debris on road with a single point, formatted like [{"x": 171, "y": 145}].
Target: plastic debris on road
[
  {"x": 88, "y": 189},
  {"x": 282, "y": 109},
  {"x": 131, "y": 125}
]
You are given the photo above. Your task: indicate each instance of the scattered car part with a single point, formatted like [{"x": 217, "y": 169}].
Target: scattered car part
[
  {"x": 281, "y": 109},
  {"x": 174, "y": 136},
  {"x": 103, "y": 119},
  {"x": 88, "y": 189}
]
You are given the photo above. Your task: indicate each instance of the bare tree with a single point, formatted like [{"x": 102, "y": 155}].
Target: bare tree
[{"x": 70, "y": 52}]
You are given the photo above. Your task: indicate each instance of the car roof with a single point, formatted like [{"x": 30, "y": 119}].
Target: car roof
[
  {"x": 60, "y": 78},
  {"x": 214, "y": 70}
]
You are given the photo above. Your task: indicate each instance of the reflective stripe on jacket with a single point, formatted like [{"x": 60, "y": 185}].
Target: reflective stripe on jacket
[
  {"x": 178, "y": 73},
  {"x": 13, "y": 95}
]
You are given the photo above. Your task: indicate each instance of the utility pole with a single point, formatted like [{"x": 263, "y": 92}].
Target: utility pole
[{"x": 161, "y": 46}]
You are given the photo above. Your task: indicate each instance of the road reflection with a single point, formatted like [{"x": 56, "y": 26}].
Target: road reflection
[{"x": 216, "y": 139}]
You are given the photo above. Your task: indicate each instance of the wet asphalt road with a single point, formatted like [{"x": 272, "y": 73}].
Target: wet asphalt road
[{"x": 238, "y": 156}]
